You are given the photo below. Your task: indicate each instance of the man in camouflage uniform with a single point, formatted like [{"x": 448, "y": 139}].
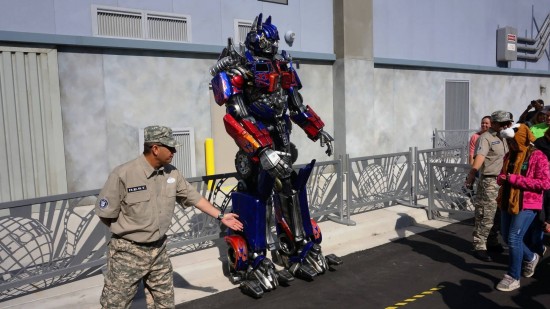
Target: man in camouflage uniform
[
  {"x": 137, "y": 204},
  {"x": 488, "y": 160}
]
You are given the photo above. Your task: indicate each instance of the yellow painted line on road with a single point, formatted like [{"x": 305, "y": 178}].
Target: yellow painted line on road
[{"x": 415, "y": 297}]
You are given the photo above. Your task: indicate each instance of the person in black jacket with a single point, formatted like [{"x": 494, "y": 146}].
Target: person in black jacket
[{"x": 528, "y": 115}]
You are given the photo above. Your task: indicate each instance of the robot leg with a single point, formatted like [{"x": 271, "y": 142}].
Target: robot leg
[
  {"x": 300, "y": 239},
  {"x": 248, "y": 264}
]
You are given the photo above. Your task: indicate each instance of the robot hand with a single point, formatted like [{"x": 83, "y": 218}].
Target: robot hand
[
  {"x": 326, "y": 139},
  {"x": 273, "y": 164}
]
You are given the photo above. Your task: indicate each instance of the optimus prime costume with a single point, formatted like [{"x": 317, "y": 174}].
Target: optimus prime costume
[{"x": 259, "y": 88}]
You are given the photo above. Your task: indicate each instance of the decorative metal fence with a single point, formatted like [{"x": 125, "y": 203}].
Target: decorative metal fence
[
  {"x": 56, "y": 239},
  {"x": 47, "y": 241},
  {"x": 325, "y": 190},
  {"x": 452, "y": 138},
  {"x": 379, "y": 181},
  {"x": 436, "y": 155},
  {"x": 446, "y": 189}
]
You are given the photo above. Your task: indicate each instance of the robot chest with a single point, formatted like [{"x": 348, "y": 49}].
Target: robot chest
[
  {"x": 268, "y": 105},
  {"x": 270, "y": 78}
]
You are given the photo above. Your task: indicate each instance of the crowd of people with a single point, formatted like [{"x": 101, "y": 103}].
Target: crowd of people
[{"x": 510, "y": 167}]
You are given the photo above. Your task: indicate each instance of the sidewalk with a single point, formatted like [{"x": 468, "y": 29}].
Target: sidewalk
[{"x": 200, "y": 274}]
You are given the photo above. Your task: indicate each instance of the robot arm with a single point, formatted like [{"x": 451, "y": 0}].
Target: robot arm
[
  {"x": 253, "y": 138},
  {"x": 309, "y": 121},
  {"x": 250, "y": 137}
]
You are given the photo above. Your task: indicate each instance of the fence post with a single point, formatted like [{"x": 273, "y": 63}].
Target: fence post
[
  {"x": 343, "y": 177},
  {"x": 431, "y": 205},
  {"x": 414, "y": 175}
]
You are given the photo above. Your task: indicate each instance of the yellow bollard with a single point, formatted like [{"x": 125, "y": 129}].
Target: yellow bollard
[{"x": 209, "y": 159}]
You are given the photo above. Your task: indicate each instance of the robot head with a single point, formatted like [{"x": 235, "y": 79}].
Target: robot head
[{"x": 263, "y": 39}]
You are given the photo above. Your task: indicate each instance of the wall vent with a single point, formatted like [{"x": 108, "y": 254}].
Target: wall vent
[
  {"x": 184, "y": 158},
  {"x": 167, "y": 28},
  {"x": 119, "y": 24},
  {"x": 242, "y": 27},
  {"x": 137, "y": 24},
  {"x": 457, "y": 104}
]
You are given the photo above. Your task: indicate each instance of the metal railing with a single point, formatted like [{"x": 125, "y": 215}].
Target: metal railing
[
  {"x": 446, "y": 189},
  {"x": 379, "y": 181},
  {"x": 56, "y": 239},
  {"x": 452, "y": 138},
  {"x": 437, "y": 155}
]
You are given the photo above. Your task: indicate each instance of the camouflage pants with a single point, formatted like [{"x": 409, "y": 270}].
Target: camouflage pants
[
  {"x": 127, "y": 265},
  {"x": 486, "y": 219}
]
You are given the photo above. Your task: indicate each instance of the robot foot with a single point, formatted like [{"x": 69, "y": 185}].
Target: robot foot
[
  {"x": 303, "y": 271},
  {"x": 332, "y": 259},
  {"x": 252, "y": 288},
  {"x": 284, "y": 276},
  {"x": 235, "y": 278}
]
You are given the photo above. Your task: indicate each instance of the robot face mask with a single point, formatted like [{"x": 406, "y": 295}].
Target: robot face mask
[
  {"x": 268, "y": 47},
  {"x": 263, "y": 38}
]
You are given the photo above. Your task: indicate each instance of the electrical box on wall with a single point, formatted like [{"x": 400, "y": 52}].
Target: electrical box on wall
[{"x": 507, "y": 40}]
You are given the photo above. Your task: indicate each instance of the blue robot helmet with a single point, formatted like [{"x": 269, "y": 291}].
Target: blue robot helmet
[{"x": 263, "y": 38}]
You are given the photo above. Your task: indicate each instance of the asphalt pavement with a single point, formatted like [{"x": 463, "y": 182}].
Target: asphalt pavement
[{"x": 433, "y": 269}]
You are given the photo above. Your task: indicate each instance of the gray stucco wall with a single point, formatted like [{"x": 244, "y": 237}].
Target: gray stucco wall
[
  {"x": 409, "y": 104},
  {"x": 107, "y": 97}
]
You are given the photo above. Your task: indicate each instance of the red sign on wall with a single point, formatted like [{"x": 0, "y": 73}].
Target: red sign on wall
[{"x": 511, "y": 37}]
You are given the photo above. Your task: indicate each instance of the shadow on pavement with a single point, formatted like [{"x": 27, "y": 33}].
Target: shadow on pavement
[{"x": 434, "y": 269}]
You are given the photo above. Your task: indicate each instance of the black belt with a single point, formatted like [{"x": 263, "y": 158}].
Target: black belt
[
  {"x": 156, "y": 243},
  {"x": 490, "y": 176}
]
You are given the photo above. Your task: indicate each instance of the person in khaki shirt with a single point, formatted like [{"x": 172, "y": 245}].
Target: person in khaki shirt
[
  {"x": 488, "y": 160},
  {"x": 137, "y": 203}
]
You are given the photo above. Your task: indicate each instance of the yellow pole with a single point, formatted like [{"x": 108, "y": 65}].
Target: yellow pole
[{"x": 209, "y": 159}]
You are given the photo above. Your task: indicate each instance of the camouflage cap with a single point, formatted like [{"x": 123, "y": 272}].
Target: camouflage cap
[
  {"x": 160, "y": 134},
  {"x": 501, "y": 116}
]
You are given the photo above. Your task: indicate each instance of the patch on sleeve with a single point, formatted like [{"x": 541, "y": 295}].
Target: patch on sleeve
[{"x": 103, "y": 203}]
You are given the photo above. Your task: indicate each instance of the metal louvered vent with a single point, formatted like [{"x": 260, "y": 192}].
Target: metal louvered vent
[
  {"x": 119, "y": 24},
  {"x": 167, "y": 28},
  {"x": 242, "y": 27},
  {"x": 184, "y": 158},
  {"x": 457, "y": 104},
  {"x": 136, "y": 24}
]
